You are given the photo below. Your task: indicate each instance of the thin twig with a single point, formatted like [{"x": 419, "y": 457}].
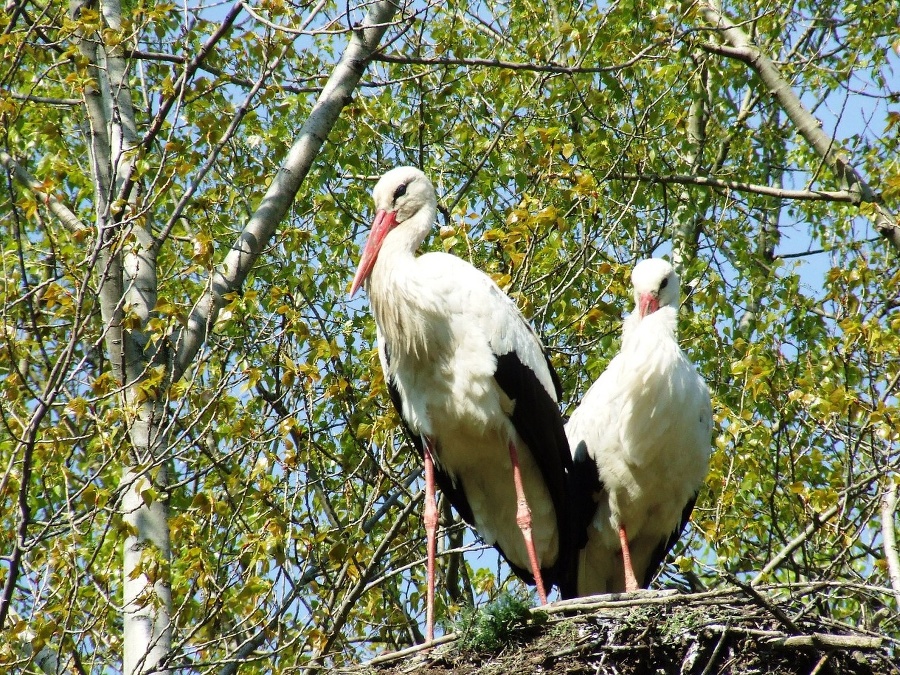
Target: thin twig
[
  {"x": 510, "y": 65},
  {"x": 764, "y": 603},
  {"x": 715, "y": 653},
  {"x": 403, "y": 653}
]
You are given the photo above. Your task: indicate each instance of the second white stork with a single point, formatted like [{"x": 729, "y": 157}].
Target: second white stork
[
  {"x": 640, "y": 442},
  {"x": 472, "y": 384}
]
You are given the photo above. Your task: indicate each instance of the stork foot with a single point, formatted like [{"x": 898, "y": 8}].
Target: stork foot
[{"x": 523, "y": 520}]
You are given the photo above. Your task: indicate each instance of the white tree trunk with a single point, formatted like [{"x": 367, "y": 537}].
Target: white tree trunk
[
  {"x": 147, "y": 635},
  {"x": 128, "y": 278},
  {"x": 889, "y": 535}
]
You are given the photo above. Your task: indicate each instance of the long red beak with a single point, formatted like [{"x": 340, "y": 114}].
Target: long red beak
[
  {"x": 648, "y": 304},
  {"x": 384, "y": 223}
]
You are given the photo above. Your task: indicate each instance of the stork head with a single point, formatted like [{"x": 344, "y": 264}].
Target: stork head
[
  {"x": 655, "y": 285},
  {"x": 404, "y": 199}
]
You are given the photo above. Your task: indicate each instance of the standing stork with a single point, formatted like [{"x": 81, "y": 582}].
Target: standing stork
[
  {"x": 473, "y": 386},
  {"x": 640, "y": 442}
]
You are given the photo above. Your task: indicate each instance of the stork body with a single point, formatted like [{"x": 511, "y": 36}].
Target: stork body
[
  {"x": 640, "y": 441},
  {"x": 471, "y": 383}
]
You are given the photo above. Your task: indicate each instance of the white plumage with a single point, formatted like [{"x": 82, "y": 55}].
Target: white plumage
[
  {"x": 470, "y": 380},
  {"x": 641, "y": 442}
]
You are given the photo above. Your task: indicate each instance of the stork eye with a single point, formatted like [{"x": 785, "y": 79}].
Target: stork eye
[
  {"x": 399, "y": 192},
  {"x": 665, "y": 282}
]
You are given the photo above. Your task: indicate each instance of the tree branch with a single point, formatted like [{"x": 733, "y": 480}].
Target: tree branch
[
  {"x": 818, "y": 520},
  {"x": 739, "y": 186},
  {"x": 34, "y": 98},
  {"x": 189, "y": 71},
  {"x": 229, "y": 276},
  {"x": 68, "y": 219},
  {"x": 509, "y": 65},
  {"x": 741, "y": 48}
]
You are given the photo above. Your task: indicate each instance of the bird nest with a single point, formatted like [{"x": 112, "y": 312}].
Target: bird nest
[{"x": 735, "y": 630}]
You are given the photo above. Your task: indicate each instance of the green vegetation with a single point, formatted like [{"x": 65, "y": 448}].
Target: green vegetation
[
  {"x": 492, "y": 626},
  {"x": 250, "y": 490}
]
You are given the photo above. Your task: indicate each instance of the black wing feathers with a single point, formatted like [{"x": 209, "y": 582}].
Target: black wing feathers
[
  {"x": 537, "y": 420},
  {"x": 661, "y": 551},
  {"x": 584, "y": 488},
  {"x": 557, "y": 383}
]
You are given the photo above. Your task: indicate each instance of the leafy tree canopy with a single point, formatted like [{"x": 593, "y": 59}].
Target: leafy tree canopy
[{"x": 195, "y": 428}]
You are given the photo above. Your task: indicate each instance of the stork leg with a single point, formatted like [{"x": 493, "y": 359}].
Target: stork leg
[
  {"x": 431, "y": 520},
  {"x": 631, "y": 583},
  {"x": 523, "y": 520}
]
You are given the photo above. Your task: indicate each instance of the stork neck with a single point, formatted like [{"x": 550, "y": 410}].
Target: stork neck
[
  {"x": 405, "y": 238},
  {"x": 660, "y": 325},
  {"x": 395, "y": 289},
  {"x": 398, "y": 250}
]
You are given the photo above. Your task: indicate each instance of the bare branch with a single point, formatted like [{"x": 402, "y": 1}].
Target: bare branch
[
  {"x": 739, "y": 186},
  {"x": 511, "y": 65},
  {"x": 291, "y": 31},
  {"x": 33, "y": 98}
]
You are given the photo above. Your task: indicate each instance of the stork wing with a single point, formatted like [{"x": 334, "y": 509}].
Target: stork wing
[
  {"x": 527, "y": 377},
  {"x": 658, "y": 557},
  {"x": 473, "y": 306}
]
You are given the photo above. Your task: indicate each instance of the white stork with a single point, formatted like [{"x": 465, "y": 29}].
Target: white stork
[
  {"x": 472, "y": 384},
  {"x": 640, "y": 442}
]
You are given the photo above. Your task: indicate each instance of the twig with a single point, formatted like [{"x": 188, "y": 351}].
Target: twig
[
  {"x": 820, "y": 664},
  {"x": 818, "y": 519},
  {"x": 715, "y": 653},
  {"x": 509, "y": 65},
  {"x": 396, "y": 656},
  {"x": 609, "y": 600},
  {"x": 739, "y": 186},
  {"x": 830, "y": 640},
  {"x": 760, "y": 600},
  {"x": 778, "y": 638},
  {"x": 34, "y": 98}
]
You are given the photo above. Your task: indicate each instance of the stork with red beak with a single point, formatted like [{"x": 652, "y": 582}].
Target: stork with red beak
[
  {"x": 640, "y": 442},
  {"x": 473, "y": 387}
]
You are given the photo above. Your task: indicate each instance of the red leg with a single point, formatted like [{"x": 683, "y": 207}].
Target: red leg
[
  {"x": 631, "y": 583},
  {"x": 431, "y": 520},
  {"x": 523, "y": 520}
]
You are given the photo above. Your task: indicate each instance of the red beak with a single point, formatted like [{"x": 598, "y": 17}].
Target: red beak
[
  {"x": 384, "y": 223},
  {"x": 648, "y": 304}
]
